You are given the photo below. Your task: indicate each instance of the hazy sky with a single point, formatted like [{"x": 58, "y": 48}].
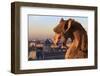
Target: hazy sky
[{"x": 41, "y": 27}]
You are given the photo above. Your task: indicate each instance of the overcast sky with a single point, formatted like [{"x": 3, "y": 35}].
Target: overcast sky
[{"x": 41, "y": 27}]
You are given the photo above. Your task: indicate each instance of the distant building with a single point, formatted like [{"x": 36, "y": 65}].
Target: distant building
[
  {"x": 32, "y": 43},
  {"x": 47, "y": 45},
  {"x": 48, "y": 42}
]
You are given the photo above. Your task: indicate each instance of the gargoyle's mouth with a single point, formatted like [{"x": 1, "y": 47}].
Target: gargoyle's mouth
[{"x": 56, "y": 38}]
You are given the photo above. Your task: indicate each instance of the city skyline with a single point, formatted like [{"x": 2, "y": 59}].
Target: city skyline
[{"x": 41, "y": 27}]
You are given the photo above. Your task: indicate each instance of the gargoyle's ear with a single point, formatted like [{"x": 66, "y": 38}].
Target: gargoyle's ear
[
  {"x": 61, "y": 20},
  {"x": 69, "y": 24}
]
